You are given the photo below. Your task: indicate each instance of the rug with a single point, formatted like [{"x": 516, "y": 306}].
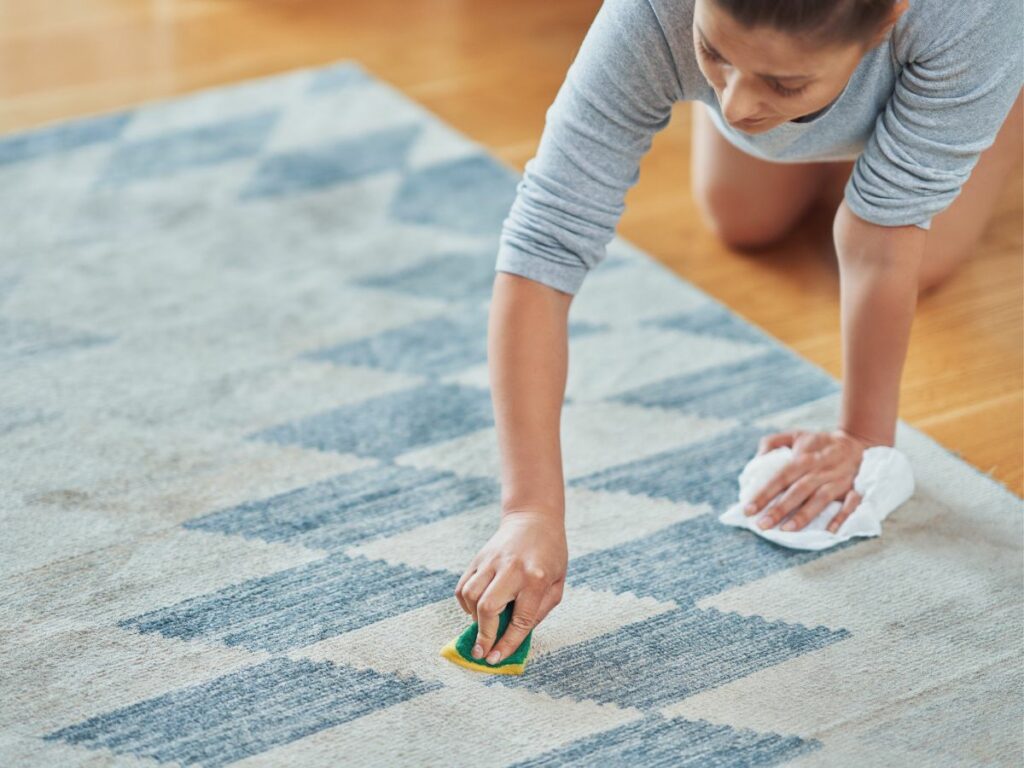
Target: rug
[{"x": 248, "y": 449}]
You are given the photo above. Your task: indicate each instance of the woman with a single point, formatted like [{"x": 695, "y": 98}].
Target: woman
[{"x": 916, "y": 106}]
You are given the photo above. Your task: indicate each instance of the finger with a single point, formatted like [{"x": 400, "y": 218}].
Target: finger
[
  {"x": 778, "y": 440},
  {"x": 813, "y": 507},
  {"x": 551, "y": 599},
  {"x": 850, "y": 504},
  {"x": 523, "y": 619},
  {"x": 796, "y": 495},
  {"x": 779, "y": 482},
  {"x": 475, "y": 586},
  {"x": 488, "y": 609},
  {"x": 459, "y": 587},
  {"x": 769, "y": 491}
]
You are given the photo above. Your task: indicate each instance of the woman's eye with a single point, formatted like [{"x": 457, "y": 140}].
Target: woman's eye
[
  {"x": 704, "y": 50},
  {"x": 779, "y": 88},
  {"x": 788, "y": 91}
]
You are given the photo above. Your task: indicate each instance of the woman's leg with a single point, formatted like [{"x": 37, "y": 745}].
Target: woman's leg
[
  {"x": 748, "y": 202},
  {"x": 955, "y": 232}
]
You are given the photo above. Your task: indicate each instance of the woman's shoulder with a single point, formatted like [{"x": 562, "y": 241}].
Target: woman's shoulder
[{"x": 929, "y": 27}]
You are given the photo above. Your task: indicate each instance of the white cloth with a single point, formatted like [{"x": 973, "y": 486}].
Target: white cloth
[{"x": 885, "y": 480}]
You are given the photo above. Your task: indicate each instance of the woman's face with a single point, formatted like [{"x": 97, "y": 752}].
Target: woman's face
[{"x": 763, "y": 77}]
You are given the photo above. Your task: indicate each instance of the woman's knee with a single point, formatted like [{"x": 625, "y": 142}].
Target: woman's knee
[{"x": 735, "y": 220}]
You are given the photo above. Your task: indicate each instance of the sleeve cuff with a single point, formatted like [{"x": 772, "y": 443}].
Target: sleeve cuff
[
  {"x": 562, "y": 277},
  {"x": 885, "y": 218}
]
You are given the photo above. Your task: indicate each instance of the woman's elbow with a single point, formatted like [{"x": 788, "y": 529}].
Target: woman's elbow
[{"x": 862, "y": 244}]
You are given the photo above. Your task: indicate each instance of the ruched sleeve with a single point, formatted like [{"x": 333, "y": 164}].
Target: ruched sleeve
[
  {"x": 618, "y": 92},
  {"x": 948, "y": 105}
]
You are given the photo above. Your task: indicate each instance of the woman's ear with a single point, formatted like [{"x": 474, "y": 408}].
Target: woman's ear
[{"x": 898, "y": 9}]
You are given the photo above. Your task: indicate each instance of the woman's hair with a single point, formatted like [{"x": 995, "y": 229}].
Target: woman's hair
[{"x": 821, "y": 22}]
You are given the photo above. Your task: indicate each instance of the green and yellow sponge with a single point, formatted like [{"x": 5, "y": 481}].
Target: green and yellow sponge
[{"x": 460, "y": 649}]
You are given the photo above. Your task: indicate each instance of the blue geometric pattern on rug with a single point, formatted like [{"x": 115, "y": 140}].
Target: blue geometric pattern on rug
[
  {"x": 176, "y": 152},
  {"x": 431, "y": 347},
  {"x": 704, "y": 472},
  {"x": 63, "y": 137},
  {"x": 347, "y": 509},
  {"x": 450, "y": 276},
  {"x": 754, "y": 388},
  {"x": 656, "y": 740},
  {"x": 712, "y": 320},
  {"x": 349, "y": 160},
  {"x": 415, "y": 418},
  {"x": 300, "y": 606},
  {"x": 471, "y": 195},
  {"x": 34, "y": 338},
  {"x": 692, "y": 650},
  {"x": 271, "y": 703},
  {"x": 268, "y": 367},
  {"x": 684, "y": 562}
]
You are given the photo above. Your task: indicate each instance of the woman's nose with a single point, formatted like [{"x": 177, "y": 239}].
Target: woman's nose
[{"x": 739, "y": 102}]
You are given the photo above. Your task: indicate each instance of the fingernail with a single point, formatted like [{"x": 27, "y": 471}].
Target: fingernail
[
  {"x": 749, "y": 509},
  {"x": 477, "y": 651},
  {"x": 765, "y": 522},
  {"x": 789, "y": 526},
  {"x": 493, "y": 658}
]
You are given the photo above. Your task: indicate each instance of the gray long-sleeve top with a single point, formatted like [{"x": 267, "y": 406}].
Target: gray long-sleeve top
[{"x": 915, "y": 115}]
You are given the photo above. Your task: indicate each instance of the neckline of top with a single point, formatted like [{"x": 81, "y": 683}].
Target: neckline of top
[{"x": 814, "y": 117}]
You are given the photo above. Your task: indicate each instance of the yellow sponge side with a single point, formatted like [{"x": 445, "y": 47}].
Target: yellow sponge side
[{"x": 452, "y": 654}]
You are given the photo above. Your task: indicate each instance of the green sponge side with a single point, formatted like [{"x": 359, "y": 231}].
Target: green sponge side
[{"x": 460, "y": 649}]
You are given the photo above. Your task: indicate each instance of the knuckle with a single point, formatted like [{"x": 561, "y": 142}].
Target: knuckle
[
  {"x": 824, "y": 494},
  {"x": 487, "y": 607},
  {"x": 515, "y": 562},
  {"x": 803, "y": 487},
  {"x": 773, "y": 515},
  {"x": 522, "y": 621},
  {"x": 535, "y": 573},
  {"x": 800, "y": 488}
]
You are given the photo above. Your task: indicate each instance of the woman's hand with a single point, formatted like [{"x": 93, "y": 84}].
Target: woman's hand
[
  {"x": 525, "y": 560},
  {"x": 822, "y": 470}
]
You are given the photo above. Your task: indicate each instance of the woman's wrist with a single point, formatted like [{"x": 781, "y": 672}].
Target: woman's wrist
[
  {"x": 553, "y": 508},
  {"x": 865, "y": 438}
]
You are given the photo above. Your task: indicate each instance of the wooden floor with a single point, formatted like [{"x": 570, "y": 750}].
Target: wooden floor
[{"x": 491, "y": 68}]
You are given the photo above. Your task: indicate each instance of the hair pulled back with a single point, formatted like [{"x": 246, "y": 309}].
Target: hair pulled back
[{"x": 820, "y": 22}]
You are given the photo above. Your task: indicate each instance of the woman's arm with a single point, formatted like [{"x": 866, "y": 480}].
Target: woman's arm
[
  {"x": 618, "y": 92},
  {"x": 961, "y": 73},
  {"x": 527, "y": 557},
  {"x": 528, "y": 358},
  {"x": 879, "y": 270},
  {"x": 879, "y": 274}
]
